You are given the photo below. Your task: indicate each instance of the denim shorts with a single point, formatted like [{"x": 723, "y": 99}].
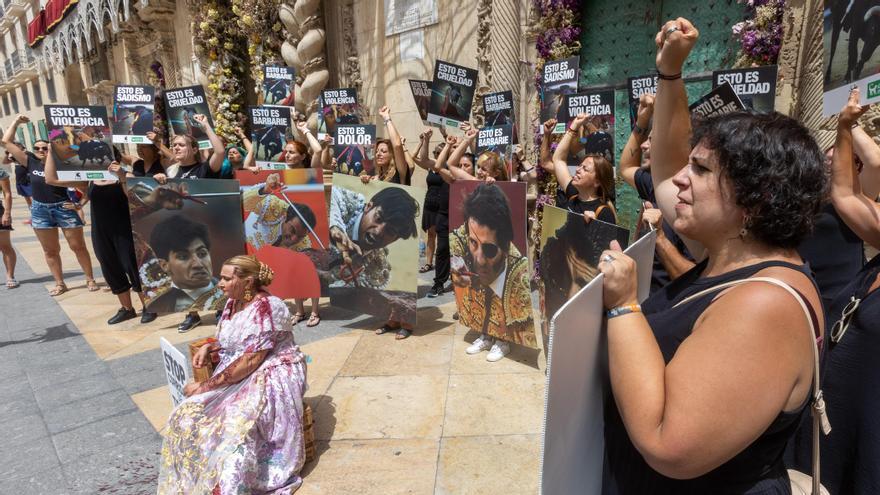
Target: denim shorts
[{"x": 52, "y": 215}]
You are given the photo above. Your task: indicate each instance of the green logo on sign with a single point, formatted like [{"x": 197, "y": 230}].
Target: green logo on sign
[
  {"x": 94, "y": 175},
  {"x": 874, "y": 89},
  {"x": 137, "y": 139}
]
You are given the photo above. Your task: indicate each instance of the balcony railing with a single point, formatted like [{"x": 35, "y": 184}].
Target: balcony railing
[
  {"x": 14, "y": 8},
  {"x": 21, "y": 66}
]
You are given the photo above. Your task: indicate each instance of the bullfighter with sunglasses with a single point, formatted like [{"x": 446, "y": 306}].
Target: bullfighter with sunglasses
[{"x": 490, "y": 276}]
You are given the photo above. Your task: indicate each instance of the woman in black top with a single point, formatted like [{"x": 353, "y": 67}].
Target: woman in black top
[
  {"x": 706, "y": 395},
  {"x": 51, "y": 209},
  {"x": 6, "y": 248},
  {"x": 112, "y": 239},
  {"x": 591, "y": 191},
  {"x": 851, "y": 451},
  {"x": 149, "y": 160},
  {"x": 188, "y": 165}
]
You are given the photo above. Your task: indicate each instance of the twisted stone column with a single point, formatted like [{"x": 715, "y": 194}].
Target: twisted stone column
[
  {"x": 507, "y": 36},
  {"x": 484, "y": 59},
  {"x": 304, "y": 49}
]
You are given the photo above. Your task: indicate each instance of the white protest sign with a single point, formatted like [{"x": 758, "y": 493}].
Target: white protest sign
[
  {"x": 177, "y": 370},
  {"x": 573, "y": 440}
]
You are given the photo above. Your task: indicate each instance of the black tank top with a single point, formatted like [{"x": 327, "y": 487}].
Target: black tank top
[
  {"x": 835, "y": 253},
  {"x": 758, "y": 468}
]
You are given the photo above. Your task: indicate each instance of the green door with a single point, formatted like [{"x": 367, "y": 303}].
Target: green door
[{"x": 617, "y": 42}]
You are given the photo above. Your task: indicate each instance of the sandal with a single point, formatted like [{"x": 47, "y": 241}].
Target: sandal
[
  {"x": 403, "y": 333},
  {"x": 92, "y": 285},
  {"x": 298, "y": 317},
  {"x": 314, "y": 320},
  {"x": 385, "y": 328},
  {"x": 11, "y": 283},
  {"x": 58, "y": 290},
  {"x": 427, "y": 267}
]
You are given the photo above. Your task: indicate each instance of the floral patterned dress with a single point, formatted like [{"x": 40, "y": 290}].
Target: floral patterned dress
[{"x": 246, "y": 437}]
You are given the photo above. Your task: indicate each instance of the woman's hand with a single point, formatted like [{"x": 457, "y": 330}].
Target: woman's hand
[
  {"x": 6, "y": 219},
  {"x": 674, "y": 43},
  {"x": 161, "y": 178},
  {"x": 191, "y": 389},
  {"x": 470, "y": 134},
  {"x": 68, "y": 205},
  {"x": 426, "y": 134},
  {"x": 578, "y": 121},
  {"x": 201, "y": 357},
  {"x": 385, "y": 112},
  {"x": 620, "y": 285},
  {"x": 851, "y": 111},
  {"x": 549, "y": 125},
  {"x": 22, "y": 119},
  {"x": 303, "y": 127},
  {"x": 365, "y": 179},
  {"x": 645, "y": 111},
  {"x": 152, "y": 136},
  {"x": 116, "y": 169}
]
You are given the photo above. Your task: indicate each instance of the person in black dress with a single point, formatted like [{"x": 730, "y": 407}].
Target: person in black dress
[
  {"x": 591, "y": 191},
  {"x": 851, "y": 376},
  {"x": 706, "y": 395},
  {"x": 112, "y": 239}
]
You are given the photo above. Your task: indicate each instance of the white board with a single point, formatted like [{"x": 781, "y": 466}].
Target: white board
[
  {"x": 573, "y": 443},
  {"x": 177, "y": 370}
]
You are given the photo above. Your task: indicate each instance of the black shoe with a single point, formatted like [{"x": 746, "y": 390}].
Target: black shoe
[
  {"x": 147, "y": 316},
  {"x": 435, "y": 292},
  {"x": 122, "y": 315},
  {"x": 455, "y": 315},
  {"x": 191, "y": 320}
]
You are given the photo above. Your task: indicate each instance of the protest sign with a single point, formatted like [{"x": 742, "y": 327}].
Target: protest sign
[
  {"x": 338, "y": 106},
  {"x": 755, "y": 86},
  {"x": 559, "y": 78},
  {"x": 177, "y": 370},
  {"x": 278, "y": 85},
  {"x": 269, "y": 127},
  {"x": 452, "y": 94},
  {"x": 354, "y": 147},
  {"x": 182, "y": 105},
  {"x": 719, "y": 101},
  {"x": 80, "y": 142},
  {"x": 132, "y": 113}
]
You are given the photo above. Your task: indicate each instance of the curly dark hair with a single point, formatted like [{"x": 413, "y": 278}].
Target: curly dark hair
[{"x": 776, "y": 168}]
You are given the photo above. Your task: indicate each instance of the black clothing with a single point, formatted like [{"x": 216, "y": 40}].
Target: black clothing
[
  {"x": 138, "y": 169},
  {"x": 441, "y": 254},
  {"x": 835, "y": 253},
  {"x": 569, "y": 200},
  {"x": 851, "y": 377},
  {"x": 112, "y": 237},
  {"x": 758, "y": 468},
  {"x": 21, "y": 175},
  {"x": 645, "y": 189},
  {"x": 198, "y": 170},
  {"x": 43, "y": 192},
  {"x": 432, "y": 200}
]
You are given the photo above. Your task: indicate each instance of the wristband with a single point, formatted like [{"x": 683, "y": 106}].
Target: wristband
[
  {"x": 569, "y": 129},
  {"x": 670, "y": 77},
  {"x": 640, "y": 130},
  {"x": 387, "y": 120},
  {"x": 622, "y": 310}
]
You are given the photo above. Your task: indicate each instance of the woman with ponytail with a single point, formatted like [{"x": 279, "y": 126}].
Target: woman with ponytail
[{"x": 243, "y": 428}]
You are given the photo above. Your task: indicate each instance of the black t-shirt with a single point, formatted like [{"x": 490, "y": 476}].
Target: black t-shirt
[
  {"x": 645, "y": 189},
  {"x": 138, "y": 169},
  {"x": 21, "y": 175},
  {"x": 834, "y": 252},
  {"x": 199, "y": 170},
  {"x": 432, "y": 194},
  {"x": 42, "y": 192},
  {"x": 568, "y": 199}
]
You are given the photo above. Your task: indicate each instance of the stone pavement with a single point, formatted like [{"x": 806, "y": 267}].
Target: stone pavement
[{"x": 82, "y": 402}]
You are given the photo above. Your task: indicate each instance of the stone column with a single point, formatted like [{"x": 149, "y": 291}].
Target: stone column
[{"x": 304, "y": 49}]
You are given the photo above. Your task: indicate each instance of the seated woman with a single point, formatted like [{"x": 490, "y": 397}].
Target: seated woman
[
  {"x": 707, "y": 394},
  {"x": 591, "y": 190},
  {"x": 242, "y": 430}
]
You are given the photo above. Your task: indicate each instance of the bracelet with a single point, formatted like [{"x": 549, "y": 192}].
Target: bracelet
[
  {"x": 622, "y": 310},
  {"x": 387, "y": 120},
  {"x": 569, "y": 129},
  {"x": 640, "y": 130},
  {"x": 527, "y": 170},
  {"x": 665, "y": 77}
]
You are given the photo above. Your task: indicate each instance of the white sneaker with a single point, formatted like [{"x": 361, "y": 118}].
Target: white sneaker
[
  {"x": 483, "y": 343},
  {"x": 499, "y": 350}
]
